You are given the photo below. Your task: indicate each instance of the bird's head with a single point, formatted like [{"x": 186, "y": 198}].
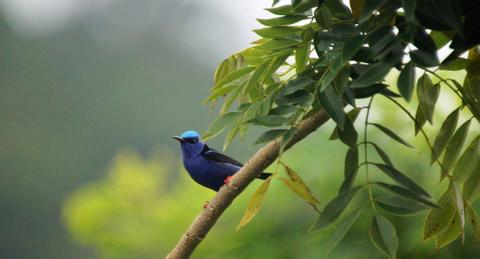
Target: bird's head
[{"x": 190, "y": 143}]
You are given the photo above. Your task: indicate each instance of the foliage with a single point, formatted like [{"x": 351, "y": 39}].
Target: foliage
[{"x": 326, "y": 55}]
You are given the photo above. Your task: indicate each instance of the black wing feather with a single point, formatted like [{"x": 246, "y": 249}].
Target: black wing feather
[{"x": 216, "y": 156}]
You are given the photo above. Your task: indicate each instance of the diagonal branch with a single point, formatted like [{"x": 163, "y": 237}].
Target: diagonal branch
[{"x": 259, "y": 162}]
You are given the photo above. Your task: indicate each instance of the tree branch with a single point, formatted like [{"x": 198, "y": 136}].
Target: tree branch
[{"x": 259, "y": 162}]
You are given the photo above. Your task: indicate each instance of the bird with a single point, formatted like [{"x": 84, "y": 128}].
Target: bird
[{"x": 207, "y": 166}]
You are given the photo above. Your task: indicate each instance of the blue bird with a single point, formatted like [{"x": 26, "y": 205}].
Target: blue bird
[{"x": 205, "y": 165}]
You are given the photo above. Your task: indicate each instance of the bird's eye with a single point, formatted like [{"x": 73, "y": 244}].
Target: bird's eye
[{"x": 191, "y": 140}]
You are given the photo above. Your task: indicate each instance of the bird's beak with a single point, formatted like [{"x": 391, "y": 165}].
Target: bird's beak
[{"x": 180, "y": 139}]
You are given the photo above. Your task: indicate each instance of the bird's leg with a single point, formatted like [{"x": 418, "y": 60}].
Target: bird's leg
[
  {"x": 227, "y": 180},
  {"x": 206, "y": 204}
]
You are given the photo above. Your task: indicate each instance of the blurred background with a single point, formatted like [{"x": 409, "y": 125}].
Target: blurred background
[{"x": 91, "y": 93}]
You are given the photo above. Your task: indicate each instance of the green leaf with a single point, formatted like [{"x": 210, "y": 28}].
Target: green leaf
[
  {"x": 352, "y": 114},
  {"x": 296, "y": 84},
  {"x": 382, "y": 154},
  {"x": 270, "y": 135},
  {"x": 409, "y": 7},
  {"x": 281, "y": 10},
  {"x": 427, "y": 96},
  {"x": 282, "y": 110},
  {"x": 402, "y": 179},
  {"x": 450, "y": 12},
  {"x": 424, "y": 59},
  {"x": 384, "y": 236},
  {"x": 231, "y": 135},
  {"x": 220, "y": 92},
  {"x": 471, "y": 188},
  {"x": 444, "y": 135},
  {"x": 406, "y": 193},
  {"x": 348, "y": 135},
  {"x": 420, "y": 120},
  {"x": 368, "y": 8},
  {"x": 227, "y": 66},
  {"x": 229, "y": 101},
  {"x": 285, "y": 20},
  {"x": 454, "y": 147},
  {"x": 300, "y": 97},
  {"x": 439, "y": 38},
  {"x": 399, "y": 206},
  {"x": 277, "y": 44},
  {"x": 333, "y": 105},
  {"x": 374, "y": 73},
  {"x": 357, "y": 6},
  {"x": 453, "y": 231},
  {"x": 255, "y": 203},
  {"x": 473, "y": 219},
  {"x": 323, "y": 17},
  {"x": 392, "y": 134},
  {"x": 298, "y": 186},
  {"x": 219, "y": 124},
  {"x": 301, "y": 56},
  {"x": 235, "y": 75},
  {"x": 342, "y": 228},
  {"x": 350, "y": 169},
  {"x": 438, "y": 220},
  {"x": 277, "y": 32},
  {"x": 254, "y": 83},
  {"x": 351, "y": 47},
  {"x": 334, "y": 209},
  {"x": 455, "y": 65},
  {"x": 460, "y": 208},
  {"x": 269, "y": 120},
  {"x": 468, "y": 162},
  {"x": 406, "y": 81}
]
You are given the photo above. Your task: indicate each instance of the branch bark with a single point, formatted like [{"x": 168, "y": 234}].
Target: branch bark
[{"x": 259, "y": 162}]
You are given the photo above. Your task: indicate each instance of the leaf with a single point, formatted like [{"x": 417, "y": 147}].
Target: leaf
[
  {"x": 231, "y": 135},
  {"x": 219, "y": 124},
  {"x": 473, "y": 219},
  {"x": 334, "y": 209},
  {"x": 460, "y": 208},
  {"x": 406, "y": 193},
  {"x": 444, "y": 135},
  {"x": 455, "y": 65},
  {"x": 406, "y": 81},
  {"x": 471, "y": 188},
  {"x": 351, "y": 47},
  {"x": 323, "y": 17},
  {"x": 255, "y": 203},
  {"x": 342, "y": 228},
  {"x": 452, "y": 232},
  {"x": 300, "y": 97},
  {"x": 454, "y": 147},
  {"x": 450, "y": 12},
  {"x": 301, "y": 56},
  {"x": 350, "y": 169},
  {"x": 296, "y": 84},
  {"x": 298, "y": 186},
  {"x": 348, "y": 135},
  {"x": 424, "y": 59},
  {"x": 382, "y": 154},
  {"x": 285, "y": 20},
  {"x": 277, "y": 32},
  {"x": 439, "y": 38},
  {"x": 427, "y": 96},
  {"x": 399, "y": 206},
  {"x": 229, "y": 101},
  {"x": 402, "y": 179},
  {"x": 333, "y": 105},
  {"x": 409, "y": 7},
  {"x": 468, "y": 162},
  {"x": 352, "y": 114},
  {"x": 270, "y": 135},
  {"x": 235, "y": 75},
  {"x": 391, "y": 134},
  {"x": 277, "y": 44},
  {"x": 357, "y": 6},
  {"x": 384, "y": 236},
  {"x": 438, "y": 220},
  {"x": 269, "y": 120},
  {"x": 420, "y": 120},
  {"x": 373, "y": 74},
  {"x": 281, "y": 10},
  {"x": 220, "y": 92},
  {"x": 368, "y": 8},
  {"x": 282, "y": 110}
]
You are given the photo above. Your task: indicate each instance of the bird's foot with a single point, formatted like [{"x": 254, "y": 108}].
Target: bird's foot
[
  {"x": 206, "y": 204},
  {"x": 227, "y": 180}
]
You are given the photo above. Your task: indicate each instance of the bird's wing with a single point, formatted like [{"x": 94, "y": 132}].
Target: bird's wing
[{"x": 216, "y": 156}]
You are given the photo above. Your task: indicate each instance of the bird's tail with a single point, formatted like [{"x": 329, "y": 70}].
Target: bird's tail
[{"x": 264, "y": 176}]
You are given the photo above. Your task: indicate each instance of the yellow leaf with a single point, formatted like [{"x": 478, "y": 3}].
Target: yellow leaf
[
  {"x": 472, "y": 216},
  {"x": 453, "y": 231},
  {"x": 298, "y": 186},
  {"x": 438, "y": 220},
  {"x": 356, "y": 6},
  {"x": 254, "y": 204}
]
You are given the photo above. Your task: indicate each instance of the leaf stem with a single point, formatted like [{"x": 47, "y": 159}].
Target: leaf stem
[{"x": 365, "y": 140}]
